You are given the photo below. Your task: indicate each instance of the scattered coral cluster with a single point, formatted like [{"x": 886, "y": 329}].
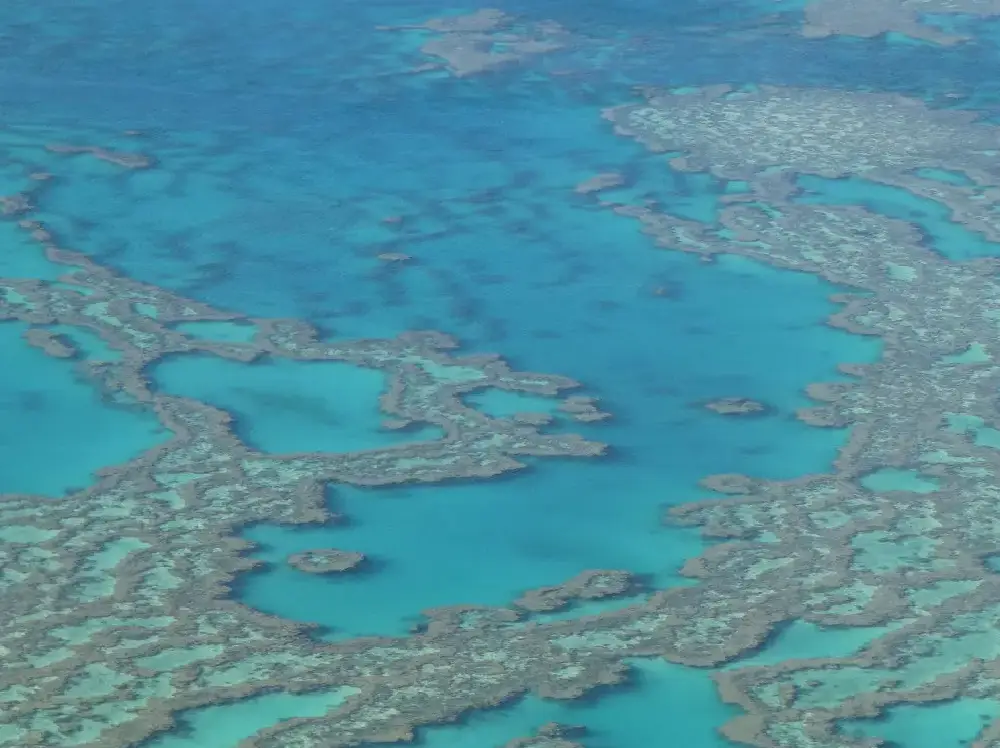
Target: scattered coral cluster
[
  {"x": 485, "y": 40},
  {"x": 588, "y": 585},
  {"x": 551, "y": 735}
]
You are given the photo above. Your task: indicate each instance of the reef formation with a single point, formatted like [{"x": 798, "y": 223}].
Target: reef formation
[
  {"x": 901, "y": 532},
  {"x": 117, "y": 612},
  {"x": 326, "y": 561},
  {"x": 551, "y": 735},
  {"x": 485, "y": 40},
  {"x": 736, "y": 406},
  {"x": 130, "y": 576}
]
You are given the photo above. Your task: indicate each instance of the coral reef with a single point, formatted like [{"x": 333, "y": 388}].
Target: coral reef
[
  {"x": 583, "y": 409},
  {"x": 874, "y": 17},
  {"x": 485, "y": 40},
  {"x": 898, "y": 533},
  {"x": 326, "y": 561},
  {"x": 767, "y": 135},
  {"x": 735, "y": 406},
  {"x": 587, "y": 585},
  {"x": 394, "y": 257}
]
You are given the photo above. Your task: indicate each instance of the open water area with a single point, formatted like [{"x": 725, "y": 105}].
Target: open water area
[{"x": 337, "y": 164}]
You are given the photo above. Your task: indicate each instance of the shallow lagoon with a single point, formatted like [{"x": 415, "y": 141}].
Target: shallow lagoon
[
  {"x": 228, "y": 724},
  {"x": 553, "y": 285},
  {"x": 289, "y": 406},
  {"x": 950, "y": 724},
  {"x": 21, "y": 257}
]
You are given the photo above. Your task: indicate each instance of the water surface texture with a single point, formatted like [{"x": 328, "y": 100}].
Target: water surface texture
[{"x": 531, "y": 375}]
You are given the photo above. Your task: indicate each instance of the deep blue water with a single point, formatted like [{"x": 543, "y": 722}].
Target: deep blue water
[{"x": 285, "y": 134}]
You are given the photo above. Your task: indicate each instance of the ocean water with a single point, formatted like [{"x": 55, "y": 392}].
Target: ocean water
[
  {"x": 286, "y": 135},
  {"x": 56, "y": 431}
]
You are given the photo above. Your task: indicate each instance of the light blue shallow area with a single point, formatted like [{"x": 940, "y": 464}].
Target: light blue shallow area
[
  {"x": 663, "y": 705},
  {"x": 289, "y": 406},
  {"x": 948, "y": 724},
  {"x": 799, "y": 640},
  {"x": 639, "y": 713},
  {"x": 54, "y": 429},
  {"x": 225, "y": 725}
]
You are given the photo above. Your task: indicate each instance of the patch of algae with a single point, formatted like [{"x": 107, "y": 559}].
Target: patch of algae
[{"x": 877, "y": 541}]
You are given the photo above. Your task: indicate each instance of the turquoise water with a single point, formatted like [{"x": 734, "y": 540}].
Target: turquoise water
[
  {"x": 285, "y": 135},
  {"x": 891, "y": 479},
  {"x": 544, "y": 526},
  {"x": 471, "y": 543},
  {"x": 289, "y": 406},
  {"x": 56, "y": 431},
  {"x": 21, "y": 258},
  {"x": 545, "y": 294},
  {"x": 944, "y": 175},
  {"x": 948, "y": 724}
]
